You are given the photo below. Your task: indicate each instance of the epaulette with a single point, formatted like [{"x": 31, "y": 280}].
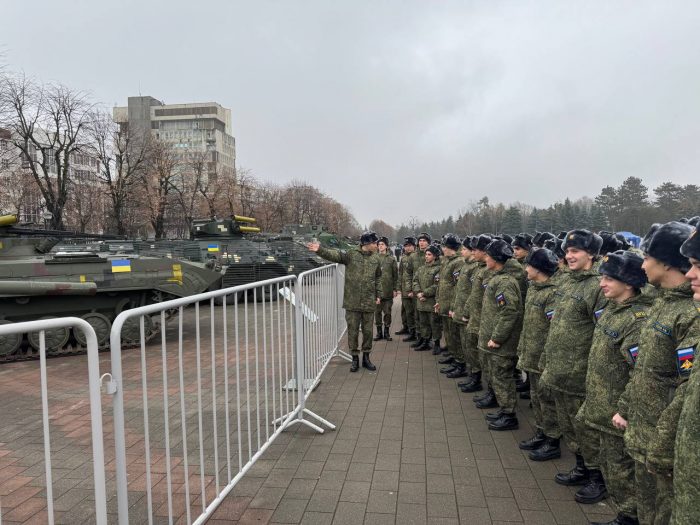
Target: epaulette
[{"x": 640, "y": 314}]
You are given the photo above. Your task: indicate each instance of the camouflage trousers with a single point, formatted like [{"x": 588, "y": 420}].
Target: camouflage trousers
[
  {"x": 548, "y": 410},
  {"x": 484, "y": 360},
  {"x": 579, "y": 437},
  {"x": 501, "y": 369},
  {"x": 454, "y": 344},
  {"x": 535, "y": 397},
  {"x": 416, "y": 313},
  {"x": 359, "y": 321},
  {"x": 382, "y": 313},
  {"x": 429, "y": 326},
  {"x": 655, "y": 496},
  {"x": 469, "y": 349},
  {"x": 408, "y": 313},
  {"x": 618, "y": 471}
]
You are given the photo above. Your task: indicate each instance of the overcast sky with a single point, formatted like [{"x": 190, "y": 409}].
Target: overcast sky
[{"x": 401, "y": 108}]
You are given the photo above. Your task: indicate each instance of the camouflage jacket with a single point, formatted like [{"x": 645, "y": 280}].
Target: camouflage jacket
[
  {"x": 389, "y": 281},
  {"x": 686, "y": 482},
  {"x": 462, "y": 291},
  {"x": 416, "y": 260},
  {"x": 405, "y": 275},
  {"x": 449, "y": 274},
  {"x": 653, "y": 398},
  {"x": 539, "y": 309},
  {"x": 362, "y": 274},
  {"x": 426, "y": 281},
  {"x": 480, "y": 280},
  {"x": 578, "y": 305},
  {"x": 502, "y": 311},
  {"x": 611, "y": 360}
]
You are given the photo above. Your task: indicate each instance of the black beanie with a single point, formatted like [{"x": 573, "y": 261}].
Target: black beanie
[
  {"x": 664, "y": 244},
  {"x": 543, "y": 260},
  {"x": 522, "y": 240},
  {"x": 583, "y": 240},
  {"x": 624, "y": 266},
  {"x": 482, "y": 241},
  {"x": 499, "y": 250}
]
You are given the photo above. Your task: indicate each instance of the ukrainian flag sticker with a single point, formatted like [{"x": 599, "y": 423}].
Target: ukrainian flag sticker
[
  {"x": 213, "y": 248},
  {"x": 121, "y": 265}
]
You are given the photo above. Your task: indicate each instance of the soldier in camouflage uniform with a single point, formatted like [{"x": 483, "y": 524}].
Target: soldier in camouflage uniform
[
  {"x": 541, "y": 264},
  {"x": 408, "y": 314},
  {"x": 388, "y": 287},
  {"x": 425, "y": 283},
  {"x": 451, "y": 265},
  {"x": 522, "y": 244},
  {"x": 686, "y": 482},
  {"x": 415, "y": 261},
  {"x": 649, "y": 408},
  {"x": 499, "y": 330},
  {"x": 610, "y": 365},
  {"x": 362, "y": 274},
  {"x": 579, "y": 304}
]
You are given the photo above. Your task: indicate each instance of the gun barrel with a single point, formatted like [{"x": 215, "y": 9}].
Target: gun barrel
[
  {"x": 241, "y": 218},
  {"x": 249, "y": 229},
  {"x": 46, "y": 288},
  {"x": 8, "y": 220}
]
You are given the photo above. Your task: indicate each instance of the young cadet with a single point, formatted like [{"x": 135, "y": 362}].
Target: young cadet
[
  {"x": 610, "y": 365},
  {"x": 686, "y": 482},
  {"x": 388, "y": 287},
  {"x": 415, "y": 261},
  {"x": 425, "y": 283},
  {"x": 522, "y": 244},
  {"x": 499, "y": 330},
  {"x": 450, "y": 266},
  {"x": 460, "y": 314},
  {"x": 649, "y": 408},
  {"x": 579, "y": 304},
  {"x": 541, "y": 264},
  {"x": 408, "y": 313},
  {"x": 361, "y": 293}
]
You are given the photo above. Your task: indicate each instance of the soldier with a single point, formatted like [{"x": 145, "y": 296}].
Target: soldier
[
  {"x": 686, "y": 482},
  {"x": 408, "y": 314},
  {"x": 542, "y": 237},
  {"x": 499, "y": 330},
  {"x": 425, "y": 283},
  {"x": 415, "y": 261},
  {"x": 361, "y": 292},
  {"x": 610, "y": 365},
  {"x": 522, "y": 244},
  {"x": 450, "y": 267},
  {"x": 541, "y": 264},
  {"x": 579, "y": 304},
  {"x": 389, "y": 288},
  {"x": 648, "y": 410},
  {"x": 611, "y": 243}
]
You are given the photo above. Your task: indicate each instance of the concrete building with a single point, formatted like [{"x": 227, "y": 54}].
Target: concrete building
[{"x": 190, "y": 128}]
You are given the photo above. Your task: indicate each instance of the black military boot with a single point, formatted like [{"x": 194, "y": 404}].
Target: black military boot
[
  {"x": 507, "y": 421},
  {"x": 523, "y": 386},
  {"x": 473, "y": 384},
  {"x": 549, "y": 450},
  {"x": 424, "y": 347},
  {"x": 418, "y": 343},
  {"x": 403, "y": 331},
  {"x": 621, "y": 519},
  {"x": 411, "y": 336},
  {"x": 379, "y": 335},
  {"x": 534, "y": 442},
  {"x": 493, "y": 416},
  {"x": 366, "y": 363},
  {"x": 479, "y": 397},
  {"x": 489, "y": 401},
  {"x": 437, "y": 349},
  {"x": 449, "y": 368},
  {"x": 578, "y": 475},
  {"x": 446, "y": 360},
  {"x": 593, "y": 491},
  {"x": 459, "y": 371},
  {"x": 355, "y": 366},
  {"x": 387, "y": 334}
]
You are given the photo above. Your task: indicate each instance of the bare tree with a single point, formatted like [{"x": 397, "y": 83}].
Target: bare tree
[
  {"x": 187, "y": 186},
  {"x": 85, "y": 210},
  {"x": 157, "y": 182},
  {"x": 47, "y": 124}
]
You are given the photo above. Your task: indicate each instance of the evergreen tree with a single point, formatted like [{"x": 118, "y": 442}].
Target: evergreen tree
[{"x": 512, "y": 221}]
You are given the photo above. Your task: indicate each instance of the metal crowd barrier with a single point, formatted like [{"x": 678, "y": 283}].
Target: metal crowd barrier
[{"x": 95, "y": 408}]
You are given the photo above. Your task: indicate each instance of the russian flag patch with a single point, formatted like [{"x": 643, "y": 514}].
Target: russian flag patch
[
  {"x": 501, "y": 300},
  {"x": 598, "y": 313},
  {"x": 549, "y": 315},
  {"x": 685, "y": 357},
  {"x": 633, "y": 353}
]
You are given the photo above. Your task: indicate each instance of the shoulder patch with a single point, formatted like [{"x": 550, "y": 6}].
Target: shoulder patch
[
  {"x": 501, "y": 300},
  {"x": 550, "y": 315},
  {"x": 455, "y": 274},
  {"x": 437, "y": 278},
  {"x": 598, "y": 313},
  {"x": 685, "y": 358},
  {"x": 640, "y": 314},
  {"x": 633, "y": 352},
  {"x": 662, "y": 328}
]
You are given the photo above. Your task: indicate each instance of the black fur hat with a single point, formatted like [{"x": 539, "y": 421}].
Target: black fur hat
[
  {"x": 482, "y": 241},
  {"x": 624, "y": 266},
  {"x": 691, "y": 246},
  {"x": 426, "y": 236},
  {"x": 409, "y": 240},
  {"x": 506, "y": 237},
  {"x": 541, "y": 237},
  {"x": 543, "y": 260},
  {"x": 385, "y": 240},
  {"x": 562, "y": 235},
  {"x": 664, "y": 244},
  {"x": 467, "y": 242},
  {"x": 611, "y": 242},
  {"x": 450, "y": 240},
  {"x": 499, "y": 250},
  {"x": 583, "y": 240},
  {"x": 694, "y": 221},
  {"x": 368, "y": 237},
  {"x": 434, "y": 250},
  {"x": 554, "y": 245},
  {"x": 522, "y": 240}
]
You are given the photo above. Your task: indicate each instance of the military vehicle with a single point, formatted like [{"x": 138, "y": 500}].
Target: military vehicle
[{"x": 94, "y": 286}]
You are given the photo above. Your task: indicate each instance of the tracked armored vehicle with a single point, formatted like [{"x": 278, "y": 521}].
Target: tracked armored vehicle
[{"x": 36, "y": 284}]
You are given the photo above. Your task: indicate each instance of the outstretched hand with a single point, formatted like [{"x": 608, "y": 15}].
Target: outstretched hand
[{"x": 313, "y": 246}]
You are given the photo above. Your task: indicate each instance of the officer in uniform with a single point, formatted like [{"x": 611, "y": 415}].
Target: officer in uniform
[
  {"x": 408, "y": 314},
  {"x": 389, "y": 288},
  {"x": 362, "y": 292}
]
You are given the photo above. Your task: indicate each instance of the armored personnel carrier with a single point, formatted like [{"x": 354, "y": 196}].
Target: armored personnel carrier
[{"x": 36, "y": 284}]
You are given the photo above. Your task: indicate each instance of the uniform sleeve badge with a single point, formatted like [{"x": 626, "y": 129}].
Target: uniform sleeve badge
[
  {"x": 633, "y": 353},
  {"x": 685, "y": 358},
  {"x": 640, "y": 315},
  {"x": 598, "y": 313},
  {"x": 501, "y": 300},
  {"x": 455, "y": 275},
  {"x": 436, "y": 278},
  {"x": 550, "y": 315}
]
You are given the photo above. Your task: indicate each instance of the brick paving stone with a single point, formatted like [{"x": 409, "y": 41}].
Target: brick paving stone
[
  {"x": 355, "y": 491},
  {"x": 474, "y": 515},
  {"x": 503, "y": 509},
  {"x": 289, "y": 511},
  {"x": 317, "y": 518},
  {"x": 372, "y": 518}
]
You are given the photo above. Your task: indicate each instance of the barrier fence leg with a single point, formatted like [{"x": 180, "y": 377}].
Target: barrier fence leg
[{"x": 338, "y": 332}]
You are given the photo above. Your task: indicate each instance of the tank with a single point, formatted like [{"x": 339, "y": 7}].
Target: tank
[{"x": 36, "y": 284}]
